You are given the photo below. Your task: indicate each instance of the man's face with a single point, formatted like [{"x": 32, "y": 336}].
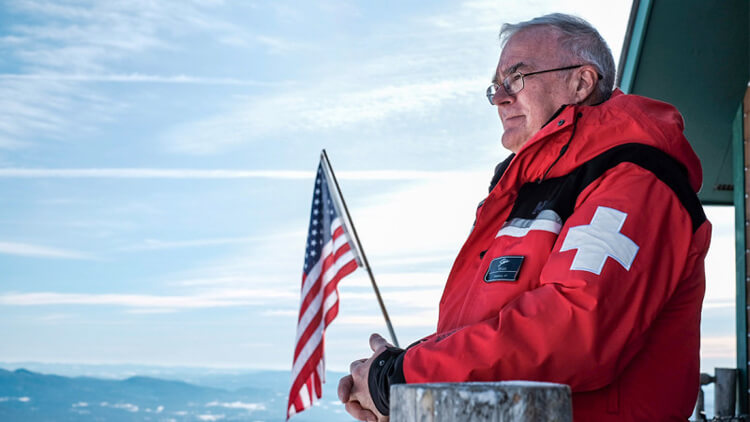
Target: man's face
[{"x": 524, "y": 113}]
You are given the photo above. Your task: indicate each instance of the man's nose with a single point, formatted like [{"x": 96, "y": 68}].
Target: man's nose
[{"x": 502, "y": 97}]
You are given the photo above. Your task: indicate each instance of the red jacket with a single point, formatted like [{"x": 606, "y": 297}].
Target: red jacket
[{"x": 584, "y": 267}]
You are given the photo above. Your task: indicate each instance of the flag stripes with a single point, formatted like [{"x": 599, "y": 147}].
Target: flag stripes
[{"x": 328, "y": 258}]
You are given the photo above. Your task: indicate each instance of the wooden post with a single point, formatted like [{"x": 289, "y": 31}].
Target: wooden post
[
  {"x": 507, "y": 401},
  {"x": 725, "y": 391}
]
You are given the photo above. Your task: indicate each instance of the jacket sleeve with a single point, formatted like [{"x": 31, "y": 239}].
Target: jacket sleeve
[{"x": 618, "y": 260}]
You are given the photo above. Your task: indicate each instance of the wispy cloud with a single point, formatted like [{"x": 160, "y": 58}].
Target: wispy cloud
[
  {"x": 152, "y": 244},
  {"x": 719, "y": 304},
  {"x": 718, "y": 347},
  {"x": 146, "y": 173},
  {"x": 237, "y": 405},
  {"x": 411, "y": 298},
  {"x": 42, "y": 108},
  {"x": 399, "y": 279},
  {"x": 54, "y": 318},
  {"x": 281, "y": 312},
  {"x": 134, "y": 78},
  {"x": 426, "y": 319},
  {"x": 217, "y": 280},
  {"x": 38, "y": 251},
  {"x": 211, "y": 299},
  {"x": 57, "y": 48},
  {"x": 339, "y": 104},
  {"x": 86, "y": 36}
]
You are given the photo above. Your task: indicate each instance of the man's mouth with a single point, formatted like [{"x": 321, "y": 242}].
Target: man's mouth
[{"x": 511, "y": 119}]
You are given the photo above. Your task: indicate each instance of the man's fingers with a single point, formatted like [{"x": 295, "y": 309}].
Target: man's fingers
[
  {"x": 345, "y": 388},
  {"x": 377, "y": 342},
  {"x": 355, "y": 364},
  {"x": 358, "y": 412}
]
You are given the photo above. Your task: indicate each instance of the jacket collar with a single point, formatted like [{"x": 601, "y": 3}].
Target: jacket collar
[{"x": 577, "y": 133}]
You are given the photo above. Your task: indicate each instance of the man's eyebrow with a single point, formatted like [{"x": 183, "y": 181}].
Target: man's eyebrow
[
  {"x": 514, "y": 68},
  {"x": 508, "y": 71}
]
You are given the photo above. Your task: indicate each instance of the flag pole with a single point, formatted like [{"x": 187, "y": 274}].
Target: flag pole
[{"x": 358, "y": 245}]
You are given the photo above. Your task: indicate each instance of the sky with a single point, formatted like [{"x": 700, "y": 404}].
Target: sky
[{"x": 157, "y": 163}]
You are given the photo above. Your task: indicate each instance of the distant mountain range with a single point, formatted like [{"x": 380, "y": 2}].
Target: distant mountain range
[{"x": 250, "y": 396}]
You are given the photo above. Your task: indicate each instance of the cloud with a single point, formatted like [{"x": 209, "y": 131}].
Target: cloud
[
  {"x": 133, "y": 78},
  {"x": 210, "y": 299},
  {"x": 20, "y": 399},
  {"x": 214, "y": 280},
  {"x": 37, "y": 251},
  {"x": 718, "y": 304},
  {"x": 145, "y": 173},
  {"x": 426, "y": 319},
  {"x": 409, "y": 299},
  {"x": 237, "y": 405},
  {"x": 56, "y": 48},
  {"x": 90, "y": 34},
  {"x": 338, "y": 105},
  {"x": 54, "y": 318},
  {"x": 400, "y": 279},
  {"x": 124, "y": 406},
  {"x": 720, "y": 260},
  {"x": 718, "y": 347},
  {"x": 211, "y": 417},
  {"x": 281, "y": 312},
  {"x": 152, "y": 173},
  {"x": 151, "y": 244},
  {"x": 42, "y": 108}
]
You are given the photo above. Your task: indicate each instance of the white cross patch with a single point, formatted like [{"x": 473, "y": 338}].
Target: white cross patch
[{"x": 600, "y": 239}]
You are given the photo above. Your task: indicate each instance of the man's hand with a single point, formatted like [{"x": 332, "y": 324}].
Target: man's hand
[{"x": 354, "y": 391}]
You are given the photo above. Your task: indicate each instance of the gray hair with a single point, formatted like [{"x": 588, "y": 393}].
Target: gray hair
[{"x": 580, "y": 39}]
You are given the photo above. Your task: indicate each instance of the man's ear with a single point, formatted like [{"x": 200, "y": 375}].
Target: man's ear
[{"x": 584, "y": 83}]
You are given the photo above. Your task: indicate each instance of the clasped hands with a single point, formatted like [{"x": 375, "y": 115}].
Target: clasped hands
[{"x": 354, "y": 390}]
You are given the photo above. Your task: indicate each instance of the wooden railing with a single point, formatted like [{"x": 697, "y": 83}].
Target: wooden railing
[{"x": 507, "y": 401}]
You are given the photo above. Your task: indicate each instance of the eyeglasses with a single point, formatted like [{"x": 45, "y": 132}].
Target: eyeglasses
[{"x": 513, "y": 83}]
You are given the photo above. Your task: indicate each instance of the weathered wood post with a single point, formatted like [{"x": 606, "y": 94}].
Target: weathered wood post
[
  {"x": 725, "y": 391},
  {"x": 506, "y": 401}
]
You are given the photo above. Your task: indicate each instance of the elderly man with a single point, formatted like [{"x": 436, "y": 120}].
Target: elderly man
[{"x": 585, "y": 263}]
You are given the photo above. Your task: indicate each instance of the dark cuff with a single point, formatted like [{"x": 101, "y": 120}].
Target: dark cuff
[{"x": 387, "y": 369}]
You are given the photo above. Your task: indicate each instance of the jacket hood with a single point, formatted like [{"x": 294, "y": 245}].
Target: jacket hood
[{"x": 577, "y": 133}]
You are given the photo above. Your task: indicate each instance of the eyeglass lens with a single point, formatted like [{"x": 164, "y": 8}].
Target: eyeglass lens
[{"x": 512, "y": 85}]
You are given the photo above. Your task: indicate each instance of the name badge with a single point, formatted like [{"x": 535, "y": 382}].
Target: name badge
[{"x": 504, "y": 268}]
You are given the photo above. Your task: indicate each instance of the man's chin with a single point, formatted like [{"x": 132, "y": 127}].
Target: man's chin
[{"x": 512, "y": 141}]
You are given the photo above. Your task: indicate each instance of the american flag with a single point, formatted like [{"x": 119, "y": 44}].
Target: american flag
[{"x": 328, "y": 258}]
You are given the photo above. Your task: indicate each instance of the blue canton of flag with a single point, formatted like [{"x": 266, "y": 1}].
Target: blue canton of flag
[
  {"x": 328, "y": 258},
  {"x": 322, "y": 215}
]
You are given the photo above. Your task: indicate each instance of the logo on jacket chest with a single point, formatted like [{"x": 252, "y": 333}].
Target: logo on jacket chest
[{"x": 504, "y": 268}]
